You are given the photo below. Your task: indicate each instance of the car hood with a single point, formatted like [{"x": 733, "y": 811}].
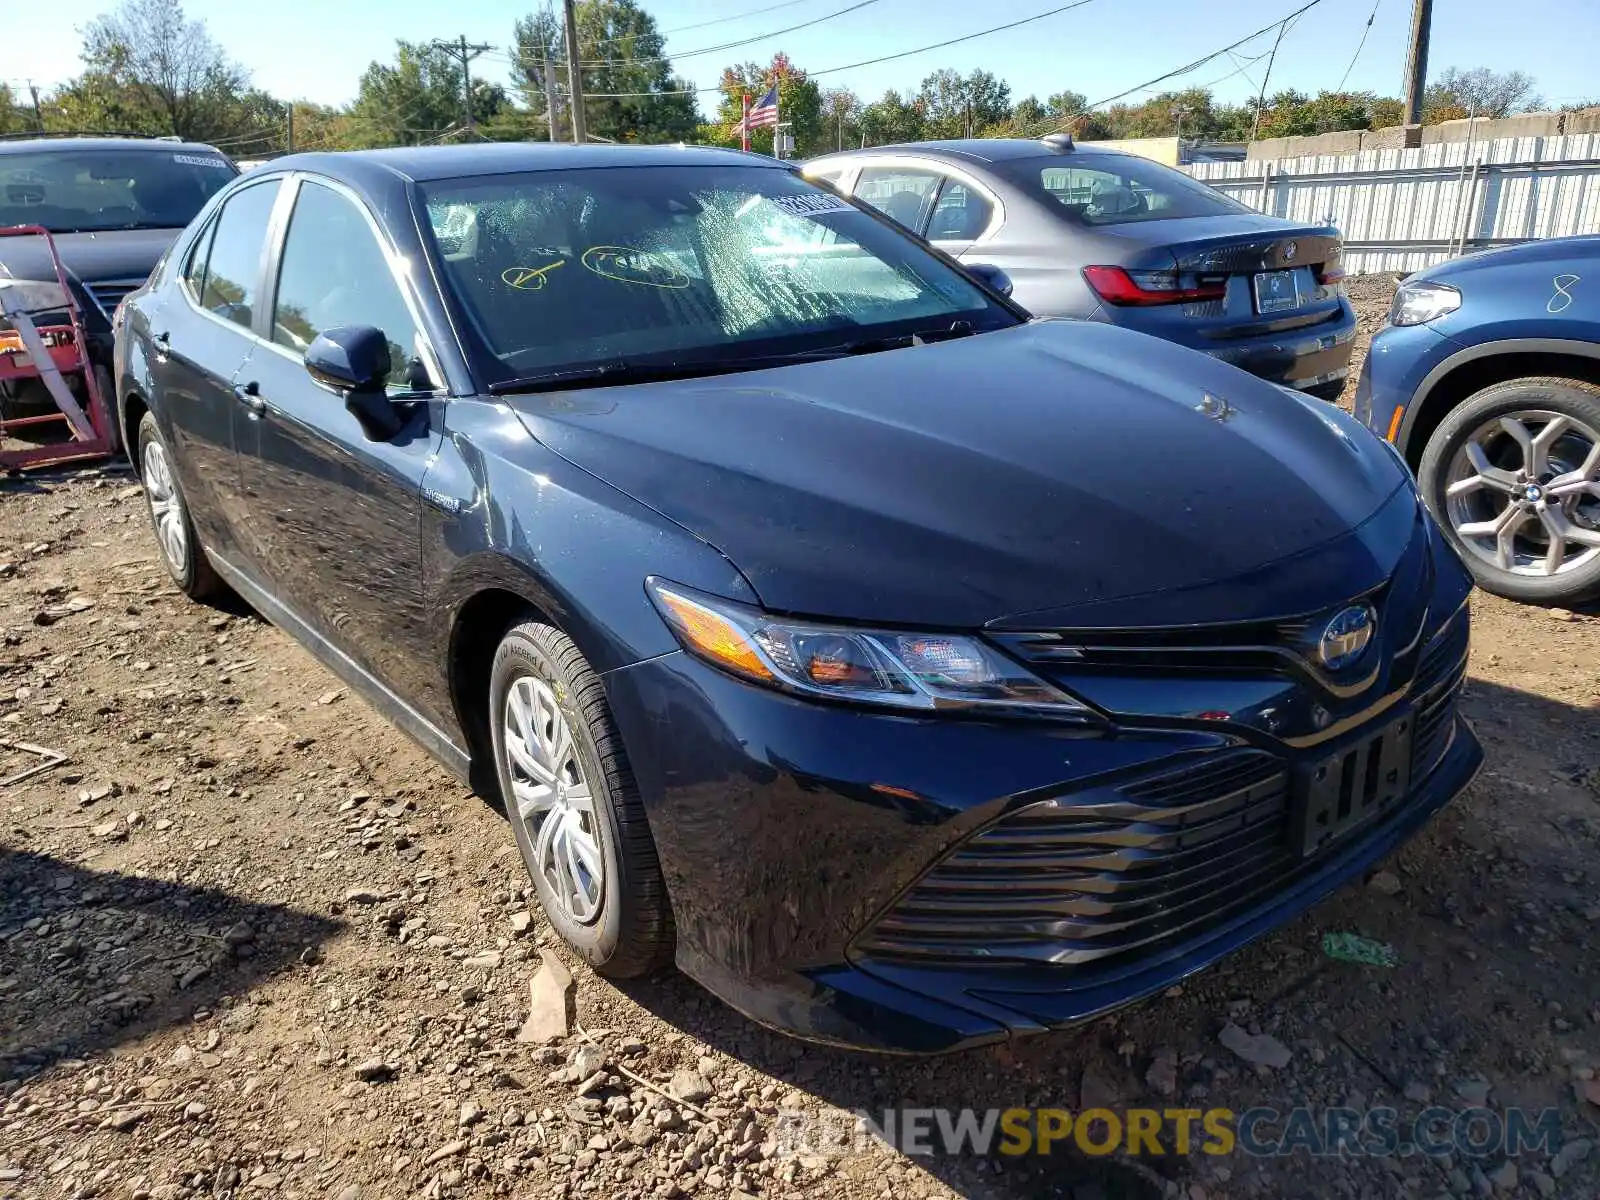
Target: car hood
[
  {"x": 1046, "y": 466},
  {"x": 119, "y": 254},
  {"x": 1561, "y": 253}
]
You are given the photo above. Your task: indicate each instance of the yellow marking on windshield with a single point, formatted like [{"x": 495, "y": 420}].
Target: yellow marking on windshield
[
  {"x": 627, "y": 265},
  {"x": 529, "y": 279}
]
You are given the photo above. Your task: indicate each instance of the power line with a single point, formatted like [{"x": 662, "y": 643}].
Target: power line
[
  {"x": 1359, "y": 46},
  {"x": 464, "y": 53},
  {"x": 873, "y": 61},
  {"x": 521, "y": 58},
  {"x": 1063, "y": 122}
]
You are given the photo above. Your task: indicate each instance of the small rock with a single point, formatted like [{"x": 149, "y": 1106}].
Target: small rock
[
  {"x": 1474, "y": 1091},
  {"x": 1542, "y": 1183},
  {"x": 350, "y": 1193},
  {"x": 1386, "y": 883},
  {"x": 1261, "y": 1050},
  {"x": 521, "y": 923},
  {"x": 1570, "y": 1155},
  {"x": 330, "y": 697},
  {"x": 1588, "y": 1089},
  {"x": 1419, "y": 1092},
  {"x": 124, "y": 1120},
  {"x": 488, "y": 961},
  {"x": 1096, "y": 1091},
  {"x": 1163, "y": 1073},
  {"x": 1504, "y": 1177},
  {"x": 550, "y": 996},
  {"x": 239, "y": 935},
  {"x": 361, "y": 896},
  {"x": 1561, "y": 614},
  {"x": 375, "y": 1070},
  {"x": 690, "y": 1086},
  {"x": 471, "y": 1114},
  {"x": 586, "y": 1060},
  {"x": 448, "y": 1150}
]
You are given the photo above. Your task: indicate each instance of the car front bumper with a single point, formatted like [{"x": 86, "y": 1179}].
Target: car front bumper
[
  {"x": 789, "y": 831},
  {"x": 1398, "y": 359}
]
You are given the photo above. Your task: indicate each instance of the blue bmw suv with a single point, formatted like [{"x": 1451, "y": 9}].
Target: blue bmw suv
[{"x": 1487, "y": 379}]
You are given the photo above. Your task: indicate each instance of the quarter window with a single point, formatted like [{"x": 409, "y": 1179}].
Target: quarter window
[
  {"x": 902, "y": 195},
  {"x": 194, "y": 267},
  {"x": 231, "y": 287},
  {"x": 961, "y": 214},
  {"x": 335, "y": 273}
]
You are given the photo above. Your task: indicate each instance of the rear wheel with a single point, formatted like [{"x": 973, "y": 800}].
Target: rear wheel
[
  {"x": 574, "y": 808},
  {"x": 1513, "y": 475},
  {"x": 176, "y": 542}
]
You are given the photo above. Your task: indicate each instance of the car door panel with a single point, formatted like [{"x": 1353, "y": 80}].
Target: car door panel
[{"x": 335, "y": 518}]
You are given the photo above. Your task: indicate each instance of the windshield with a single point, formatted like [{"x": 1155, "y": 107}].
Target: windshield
[
  {"x": 1109, "y": 189},
  {"x": 77, "y": 191},
  {"x": 559, "y": 270}
]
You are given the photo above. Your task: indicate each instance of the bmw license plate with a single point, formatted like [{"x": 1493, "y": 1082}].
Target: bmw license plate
[
  {"x": 1344, "y": 790},
  {"x": 1277, "y": 291}
]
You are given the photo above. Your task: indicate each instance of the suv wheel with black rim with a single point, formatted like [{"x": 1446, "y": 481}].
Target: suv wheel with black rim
[
  {"x": 573, "y": 804},
  {"x": 1513, "y": 475}
]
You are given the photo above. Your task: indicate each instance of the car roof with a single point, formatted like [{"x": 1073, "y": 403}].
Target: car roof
[
  {"x": 985, "y": 150},
  {"x": 423, "y": 163},
  {"x": 66, "y": 145}
]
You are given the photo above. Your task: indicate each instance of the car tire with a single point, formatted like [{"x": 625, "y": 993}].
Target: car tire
[
  {"x": 573, "y": 805},
  {"x": 1506, "y": 516},
  {"x": 176, "y": 542}
]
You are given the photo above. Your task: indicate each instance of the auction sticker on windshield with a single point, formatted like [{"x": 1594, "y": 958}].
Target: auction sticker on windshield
[
  {"x": 195, "y": 160},
  {"x": 810, "y": 205}
]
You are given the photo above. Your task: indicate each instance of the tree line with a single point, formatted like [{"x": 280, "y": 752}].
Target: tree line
[{"x": 148, "y": 69}]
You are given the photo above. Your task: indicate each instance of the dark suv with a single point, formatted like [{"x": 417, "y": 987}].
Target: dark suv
[{"x": 114, "y": 206}]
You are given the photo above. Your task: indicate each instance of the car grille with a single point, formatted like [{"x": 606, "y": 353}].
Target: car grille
[
  {"x": 108, "y": 293},
  {"x": 1137, "y": 864}
]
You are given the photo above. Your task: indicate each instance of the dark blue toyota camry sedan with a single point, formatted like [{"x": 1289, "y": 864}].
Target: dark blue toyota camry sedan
[{"x": 911, "y": 673}]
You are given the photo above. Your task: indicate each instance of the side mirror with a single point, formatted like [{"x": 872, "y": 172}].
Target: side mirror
[
  {"x": 997, "y": 279},
  {"x": 353, "y": 360}
]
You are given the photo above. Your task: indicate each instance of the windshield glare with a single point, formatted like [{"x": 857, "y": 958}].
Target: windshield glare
[
  {"x": 562, "y": 269},
  {"x": 1107, "y": 190},
  {"x": 69, "y": 191}
]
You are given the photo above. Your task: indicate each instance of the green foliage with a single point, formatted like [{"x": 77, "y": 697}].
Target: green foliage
[
  {"x": 630, "y": 92},
  {"x": 955, "y": 107},
  {"x": 1480, "y": 92},
  {"x": 1292, "y": 114},
  {"x": 416, "y": 99},
  {"x": 892, "y": 119}
]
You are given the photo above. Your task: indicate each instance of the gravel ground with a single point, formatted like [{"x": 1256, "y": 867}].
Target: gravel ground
[{"x": 254, "y": 943}]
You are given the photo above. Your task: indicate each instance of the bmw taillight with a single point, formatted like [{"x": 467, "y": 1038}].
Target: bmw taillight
[
  {"x": 1116, "y": 285},
  {"x": 1332, "y": 269}
]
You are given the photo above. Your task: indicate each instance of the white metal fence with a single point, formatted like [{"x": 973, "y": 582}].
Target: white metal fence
[{"x": 1400, "y": 210}]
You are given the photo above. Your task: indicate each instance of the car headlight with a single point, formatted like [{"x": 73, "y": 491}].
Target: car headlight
[
  {"x": 927, "y": 671},
  {"x": 1421, "y": 302}
]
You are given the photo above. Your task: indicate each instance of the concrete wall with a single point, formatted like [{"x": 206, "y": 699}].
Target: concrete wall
[
  {"x": 1399, "y": 137},
  {"x": 1162, "y": 149}
]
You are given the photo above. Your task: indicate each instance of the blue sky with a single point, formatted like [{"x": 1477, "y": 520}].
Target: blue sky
[{"x": 317, "y": 49}]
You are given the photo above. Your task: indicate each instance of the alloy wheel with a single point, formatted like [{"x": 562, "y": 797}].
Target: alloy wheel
[
  {"x": 553, "y": 799},
  {"x": 1523, "y": 493},
  {"x": 166, "y": 506}
]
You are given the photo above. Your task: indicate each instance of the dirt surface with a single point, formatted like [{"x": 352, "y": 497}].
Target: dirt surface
[{"x": 254, "y": 943}]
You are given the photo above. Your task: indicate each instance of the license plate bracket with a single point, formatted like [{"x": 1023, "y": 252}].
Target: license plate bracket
[
  {"x": 1277, "y": 291},
  {"x": 1350, "y": 787}
]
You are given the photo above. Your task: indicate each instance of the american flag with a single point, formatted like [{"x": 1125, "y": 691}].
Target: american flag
[{"x": 763, "y": 112}]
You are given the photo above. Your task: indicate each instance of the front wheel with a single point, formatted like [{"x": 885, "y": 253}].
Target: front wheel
[
  {"x": 574, "y": 808},
  {"x": 1513, "y": 476}
]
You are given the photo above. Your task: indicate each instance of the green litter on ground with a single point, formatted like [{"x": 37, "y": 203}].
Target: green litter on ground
[{"x": 1353, "y": 948}]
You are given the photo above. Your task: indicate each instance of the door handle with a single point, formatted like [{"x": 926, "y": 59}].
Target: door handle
[{"x": 249, "y": 395}]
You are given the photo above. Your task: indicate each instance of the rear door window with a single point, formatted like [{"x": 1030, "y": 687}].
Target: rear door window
[
  {"x": 232, "y": 285},
  {"x": 903, "y": 194},
  {"x": 960, "y": 215}
]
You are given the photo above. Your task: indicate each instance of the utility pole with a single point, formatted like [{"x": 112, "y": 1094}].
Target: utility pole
[
  {"x": 1417, "y": 59},
  {"x": 38, "y": 117},
  {"x": 580, "y": 132},
  {"x": 464, "y": 54},
  {"x": 549, "y": 89},
  {"x": 288, "y": 133}
]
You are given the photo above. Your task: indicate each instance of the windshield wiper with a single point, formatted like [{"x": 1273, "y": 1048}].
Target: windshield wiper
[
  {"x": 616, "y": 372},
  {"x": 619, "y": 371}
]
